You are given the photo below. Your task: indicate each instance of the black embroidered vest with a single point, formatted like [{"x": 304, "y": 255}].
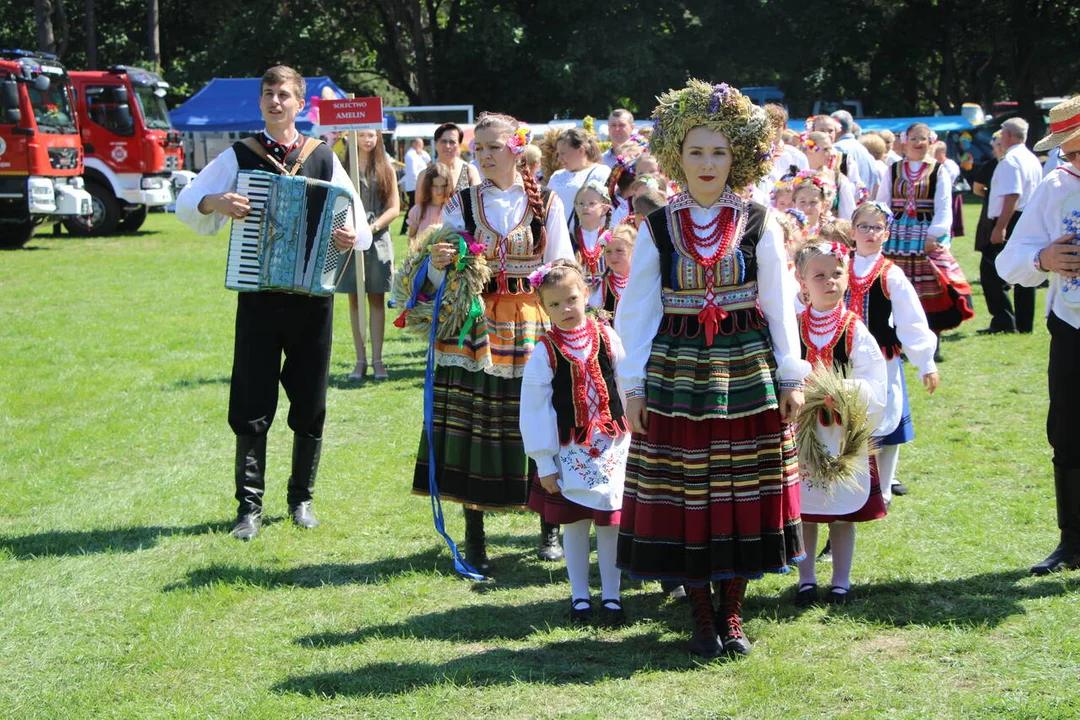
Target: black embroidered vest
[{"x": 563, "y": 394}]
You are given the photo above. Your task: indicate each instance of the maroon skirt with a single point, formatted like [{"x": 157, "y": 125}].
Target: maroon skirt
[
  {"x": 872, "y": 509},
  {"x": 711, "y": 499},
  {"x": 555, "y": 508}
]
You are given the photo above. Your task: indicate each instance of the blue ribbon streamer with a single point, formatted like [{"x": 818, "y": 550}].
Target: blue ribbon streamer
[{"x": 460, "y": 565}]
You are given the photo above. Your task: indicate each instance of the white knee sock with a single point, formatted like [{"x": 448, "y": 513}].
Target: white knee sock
[
  {"x": 807, "y": 571},
  {"x": 607, "y": 539},
  {"x": 576, "y": 551},
  {"x": 887, "y": 458},
  {"x": 842, "y": 535}
]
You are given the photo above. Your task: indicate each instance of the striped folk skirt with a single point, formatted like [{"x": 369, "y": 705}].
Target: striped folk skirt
[
  {"x": 480, "y": 459},
  {"x": 708, "y": 498},
  {"x": 937, "y": 277}
]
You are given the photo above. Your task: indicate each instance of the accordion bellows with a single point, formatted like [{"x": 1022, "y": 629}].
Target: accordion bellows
[{"x": 285, "y": 243}]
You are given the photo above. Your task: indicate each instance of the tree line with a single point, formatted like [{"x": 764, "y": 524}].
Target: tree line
[{"x": 540, "y": 59}]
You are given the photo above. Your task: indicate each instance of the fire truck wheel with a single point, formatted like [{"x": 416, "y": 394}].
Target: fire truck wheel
[
  {"x": 133, "y": 221},
  {"x": 106, "y": 213},
  {"x": 15, "y": 235}
]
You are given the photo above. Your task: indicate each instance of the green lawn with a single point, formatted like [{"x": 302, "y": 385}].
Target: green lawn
[{"x": 122, "y": 595}]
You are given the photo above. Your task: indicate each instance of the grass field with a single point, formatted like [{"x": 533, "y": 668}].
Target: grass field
[{"x": 122, "y": 595}]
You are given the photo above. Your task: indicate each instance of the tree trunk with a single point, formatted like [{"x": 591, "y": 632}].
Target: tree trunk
[
  {"x": 43, "y": 9},
  {"x": 91, "y": 37},
  {"x": 153, "y": 23}
]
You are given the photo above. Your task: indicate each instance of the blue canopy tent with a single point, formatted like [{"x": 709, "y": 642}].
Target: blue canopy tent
[{"x": 232, "y": 105}]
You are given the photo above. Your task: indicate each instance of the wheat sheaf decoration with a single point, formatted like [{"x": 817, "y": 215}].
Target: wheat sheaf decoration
[{"x": 830, "y": 401}]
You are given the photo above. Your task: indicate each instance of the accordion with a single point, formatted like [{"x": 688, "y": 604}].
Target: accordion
[{"x": 285, "y": 243}]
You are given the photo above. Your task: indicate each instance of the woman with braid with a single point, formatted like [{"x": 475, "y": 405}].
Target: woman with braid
[{"x": 480, "y": 459}]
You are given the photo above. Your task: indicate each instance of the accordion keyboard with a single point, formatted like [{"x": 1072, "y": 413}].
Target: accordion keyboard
[{"x": 242, "y": 272}]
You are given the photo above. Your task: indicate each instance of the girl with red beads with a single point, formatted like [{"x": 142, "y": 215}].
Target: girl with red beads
[
  {"x": 712, "y": 371},
  {"x": 592, "y": 211},
  {"x": 833, "y": 338},
  {"x": 574, "y": 428}
]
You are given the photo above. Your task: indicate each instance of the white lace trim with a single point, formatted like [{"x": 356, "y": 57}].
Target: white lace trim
[{"x": 474, "y": 365}]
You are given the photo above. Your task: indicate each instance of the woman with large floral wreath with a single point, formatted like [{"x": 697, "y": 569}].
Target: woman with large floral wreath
[{"x": 712, "y": 371}]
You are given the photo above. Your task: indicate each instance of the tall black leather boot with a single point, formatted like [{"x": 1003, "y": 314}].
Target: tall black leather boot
[
  {"x": 704, "y": 641},
  {"x": 729, "y": 617},
  {"x": 1067, "y": 554},
  {"x": 549, "y": 549},
  {"x": 305, "y": 465},
  {"x": 476, "y": 542},
  {"x": 250, "y": 484}
]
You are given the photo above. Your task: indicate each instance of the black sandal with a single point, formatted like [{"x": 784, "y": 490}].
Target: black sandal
[
  {"x": 582, "y": 614},
  {"x": 612, "y": 613},
  {"x": 839, "y": 595},
  {"x": 807, "y": 595}
]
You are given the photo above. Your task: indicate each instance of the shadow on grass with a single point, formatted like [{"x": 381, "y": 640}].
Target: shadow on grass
[
  {"x": 56, "y": 543},
  {"x": 314, "y": 576},
  {"x": 980, "y": 600},
  {"x": 189, "y": 383},
  {"x": 580, "y": 661},
  {"x": 398, "y": 374}
]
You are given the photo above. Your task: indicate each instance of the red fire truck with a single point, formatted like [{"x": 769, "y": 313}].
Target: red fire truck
[
  {"x": 40, "y": 150},
  {"x": 131, "y": 147}
]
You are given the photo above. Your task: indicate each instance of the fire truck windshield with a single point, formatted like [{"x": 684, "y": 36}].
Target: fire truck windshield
[
  {"x": 52, "y": 107},
  {"x": 153, "y": 109}
]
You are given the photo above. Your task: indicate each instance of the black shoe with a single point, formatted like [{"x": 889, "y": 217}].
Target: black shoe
[
  {"x": 826, "y": 553},
  {"x": 806, "y": 595},
  {"x": 476, "y": 542},
  {"x": 549, "y": 549},
  {"x": 1065, "y": 557},
  {"x": 303, "y": 516},
  {"x": 898, "y": 488},
  {"x": 839, "y": 595},
  {"x": 736, "y": 644},
  {"x": 581, "y": 611},
  {"x": 707, "y": 646},
  {"x": 611, "y": 614},
  {"x": 246, "y": 526}
]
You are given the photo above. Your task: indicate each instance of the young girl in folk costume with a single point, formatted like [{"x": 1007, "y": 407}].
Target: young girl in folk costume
[
  {"x": 592, "y": 218},
  {"x": 617, "y": 255},
  {"x": 574, "y": 428},
  {"x": 479, "y": 458},
  {"x": 812, "y": 194},
  {"x": 619, "y": 183},
  {"x": 433, "y": 189},
  {"x": 919, "y": 194},
  {"x": 378, "y": 190},
  {"x": 883, "y": 298},
  {"x": 834, "y": 339},
  {"x": 711, "y": 371},
  {"x": 819, "y": 155}
]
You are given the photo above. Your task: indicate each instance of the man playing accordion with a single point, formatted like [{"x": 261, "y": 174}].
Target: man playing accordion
[{"x": 270, "y": 323}]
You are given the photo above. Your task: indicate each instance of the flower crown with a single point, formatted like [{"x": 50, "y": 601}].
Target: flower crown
[
  {"x": 800, "y": 217},
  {"x": 883, "y": 209},
  {"x": 599, "y": 188},
  {"x": 838, "y": 250},
  {"x": 807, "y": 141},
  {"x": 932, "y": 138},
  {"x": 536, "y": 278},
  {"x": 810, "y": 176}
]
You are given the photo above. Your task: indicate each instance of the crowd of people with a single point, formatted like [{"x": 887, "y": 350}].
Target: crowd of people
[{"x": 692, "y": 341}]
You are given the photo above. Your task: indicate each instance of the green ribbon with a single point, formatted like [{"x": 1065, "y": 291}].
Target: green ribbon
[{"x": 475, "y": 310}]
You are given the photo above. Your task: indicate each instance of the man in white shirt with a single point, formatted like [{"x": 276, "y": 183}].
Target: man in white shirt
[
  {"x": 1011, "y": 187},
  {"x": 416, "y": 159},
  {"x": 620, "y": 128},
  {"x": 1041, "y": 248},
  {"x": 270, "y": 323},
  {"x": 855, "y": 150}
]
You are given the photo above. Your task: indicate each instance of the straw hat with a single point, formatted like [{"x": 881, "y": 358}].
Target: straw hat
[{"x": 1064, "y": 124}]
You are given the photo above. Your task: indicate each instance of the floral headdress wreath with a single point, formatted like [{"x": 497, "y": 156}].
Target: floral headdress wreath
[
  {"x": 804, "y": 177},
  {"x": 838, "y": 250},
  {"x": 623, "y": 166},
  {"x": 599, "y": 188},
  {"x": 883, "y": 209},
  {"x": 932, "y": 138},
  {"x": 720, "y": 108},
  {"x": 808, "y": 142},
  {"x": 800, "y": 217}
]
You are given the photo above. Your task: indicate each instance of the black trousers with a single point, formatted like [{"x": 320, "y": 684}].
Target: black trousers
[
  {"x": 996, "y": 291},
  {"x": 1062, "y": 421},
  {"x": 269, "y": 324}
]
